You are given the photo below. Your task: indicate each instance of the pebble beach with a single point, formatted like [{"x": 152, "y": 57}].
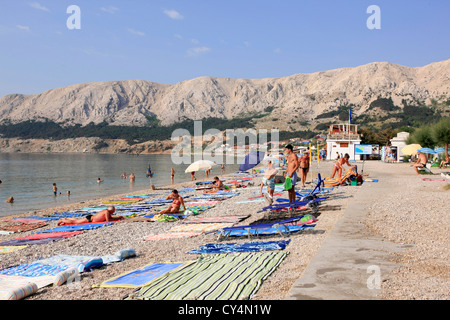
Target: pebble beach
[{"x": 412, "y": 211}]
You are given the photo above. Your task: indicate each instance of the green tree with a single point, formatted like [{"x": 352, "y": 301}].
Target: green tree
[
  {"x": 441, "y": 133},
  {"x": 424, "y": 137}
]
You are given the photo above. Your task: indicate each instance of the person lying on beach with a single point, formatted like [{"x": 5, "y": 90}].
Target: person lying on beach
[
  {"x": 421, "y": 161},
  {"x": 103, "y": 216},
  {"x": 176, "y": 203},
  {"x": 216, "y": 187},
  {"x": 339, "y": 165},
  {"x": 269, "y": 180}
]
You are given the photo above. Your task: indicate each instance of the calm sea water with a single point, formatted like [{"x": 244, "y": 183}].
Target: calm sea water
[{"x": 29, "y": 178}]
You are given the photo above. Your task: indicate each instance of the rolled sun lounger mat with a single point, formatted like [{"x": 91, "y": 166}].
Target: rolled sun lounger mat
[{"x": 235, "y": 276}]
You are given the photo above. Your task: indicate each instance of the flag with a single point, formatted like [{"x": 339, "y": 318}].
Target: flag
[{"x": 349, "y": 114}]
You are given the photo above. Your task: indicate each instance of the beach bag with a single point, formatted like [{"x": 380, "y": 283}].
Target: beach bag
[{"x": 287, "y": 183}]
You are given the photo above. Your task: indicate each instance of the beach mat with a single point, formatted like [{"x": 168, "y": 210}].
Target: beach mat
[
  {"x": 231, "y": 276},
  {"x": 255, "y": 231},
  {"x": 8, "y": 249},
  {"x": 219, "y": 219},
  {"x": 139, "y": 277},
  {"x": 77, "y": 227},
  {"x": 241, "y": 247},
  {"x": 200, "y": 227},
  {"x": 22, "y": 227},
  {"x": 171, "y": 235}
]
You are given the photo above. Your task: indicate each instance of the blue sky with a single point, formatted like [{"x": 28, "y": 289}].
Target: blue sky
[{"x": 173, "y": 41}]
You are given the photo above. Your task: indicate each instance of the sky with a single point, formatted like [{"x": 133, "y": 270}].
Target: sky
[{"x": 43, "y": 45}]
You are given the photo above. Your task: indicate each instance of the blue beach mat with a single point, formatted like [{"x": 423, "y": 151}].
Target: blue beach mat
[
  {"x": 241, "y": 247},
  {"x": 139, "y": 277},
  {"x": 77, "y": 227}
]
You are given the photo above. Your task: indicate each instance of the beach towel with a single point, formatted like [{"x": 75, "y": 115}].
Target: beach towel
[
  {"x": 139, "y": 277},
  {"x": 241, "y": 247},
  {"x": 220, "y": 219},
  {"x": 16, "y": 242},
  {"x": 8, "y": 249},
  {"x": 171, "y": 235},
  {"x": 281, "y": 230},
  {"x": 63, "y": 234},
  {"x": 200, "y": 227},
  {"x": 250, "y": 201},
  {"x": 23, "y": 220},
  {"x": 77, "y": 227},
  {"x": 23, "y": 227},
  {"x": 230, "y": 276}
]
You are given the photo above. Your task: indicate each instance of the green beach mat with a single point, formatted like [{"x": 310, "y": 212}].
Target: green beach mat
[{"x": 229, "y": 276}]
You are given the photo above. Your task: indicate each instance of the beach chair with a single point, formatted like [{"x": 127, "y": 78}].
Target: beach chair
[
  {"x": 290, "y": 208},
  {"x": 283, "y": 228}
]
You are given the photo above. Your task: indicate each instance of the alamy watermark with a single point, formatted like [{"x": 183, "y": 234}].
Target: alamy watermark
[
  {"x": 374, "y": 280},
  {"x": 374, "y": 21},
  {"x": 219, "y": 147},
  {"x": 74, "y": 20}
]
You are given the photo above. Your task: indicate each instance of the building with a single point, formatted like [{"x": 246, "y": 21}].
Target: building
[
  {"x": 342, "y": 139},
  {"x": 397, "y": 144}
]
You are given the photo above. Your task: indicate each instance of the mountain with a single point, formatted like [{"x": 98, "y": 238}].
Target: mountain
[{"x": 300, "y": 99}]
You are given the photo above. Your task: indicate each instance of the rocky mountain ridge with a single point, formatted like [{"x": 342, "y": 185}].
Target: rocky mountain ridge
[{"x": 303, "y": 96}]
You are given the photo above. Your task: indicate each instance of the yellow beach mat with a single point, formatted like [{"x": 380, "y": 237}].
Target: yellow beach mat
[{"x": 8, "y": 249}]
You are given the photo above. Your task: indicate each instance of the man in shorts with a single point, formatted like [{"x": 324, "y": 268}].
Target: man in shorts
[
  {"x": 291, "y": 170},
  {"x": 269, "y": 181}
]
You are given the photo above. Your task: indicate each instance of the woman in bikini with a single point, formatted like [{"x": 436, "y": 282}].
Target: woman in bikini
[
  {"x": 177, "y": 202},
  {"x": 339, "y": 165}
]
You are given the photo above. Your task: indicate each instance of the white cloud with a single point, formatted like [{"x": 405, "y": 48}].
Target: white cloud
[
  {"x": 178, "y": 36},
  {"x": 172, "y": 14},
  {"x": 38, "y": 6},
  {"x": 195, "y": 41},
  {"x": 26, "y": 28},
  {"x": 135, "y": 32},
  {"x": 193, "y": 52},
  {"x": 277, "y": 50},
  {"x": 247, "y": 44},
  {"x": 110, "y": 9}
]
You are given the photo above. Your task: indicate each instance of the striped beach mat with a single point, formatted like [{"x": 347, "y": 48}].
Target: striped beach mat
[
  {"x": 229, "y": 276},
  {"x": 8, "y": 249}
]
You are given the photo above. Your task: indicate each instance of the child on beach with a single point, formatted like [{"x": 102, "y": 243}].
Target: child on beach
[
  {"x": 269, "y": 180},
  {"x": 216, "y": 187},
  {"x": 55, "y": 189}
]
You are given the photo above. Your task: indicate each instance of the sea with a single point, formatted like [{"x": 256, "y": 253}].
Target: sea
[{"x": 29, "y": 178}]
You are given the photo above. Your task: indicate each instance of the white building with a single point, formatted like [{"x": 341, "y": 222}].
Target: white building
[
  {"x": 398, "y": 143},
  {"x": 342, "y": 139}
]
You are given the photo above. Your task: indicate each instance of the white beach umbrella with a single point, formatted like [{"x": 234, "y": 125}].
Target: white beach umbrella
[{"x": 200, "y": 165}]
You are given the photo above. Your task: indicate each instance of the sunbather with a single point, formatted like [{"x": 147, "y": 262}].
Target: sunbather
[
  {"x": 102, "y": 216},
  {"x": 176, "y": 203},
  {"x": 421, "y": 161},
  {"x": 216, "y": 187},
  {"x": 445, "y": 162}
]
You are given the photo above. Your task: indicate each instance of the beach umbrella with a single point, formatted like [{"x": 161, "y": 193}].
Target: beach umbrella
[
  {"x": 426, "y": 150},
  {"x": 439, "y": 150},
  {"x": 251, "y": 160},
  {"x": 200, "y": 165},
  {"x": 411, "y": 149}
]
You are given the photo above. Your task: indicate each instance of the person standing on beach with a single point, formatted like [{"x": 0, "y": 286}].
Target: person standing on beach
[
  {"x": 172, "y": 174},
  {"x": 304, "y": 166},
  {"x": 339, "y": 165},
  {"x": 55, "y": 189},
  {"x": 292, "y": 166},
  {"x": 223, "y": 168},
  {"x": 269, "y": 181},
  {"x": 207, "y": 171},
  {"x": 193, "y": 176}
]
